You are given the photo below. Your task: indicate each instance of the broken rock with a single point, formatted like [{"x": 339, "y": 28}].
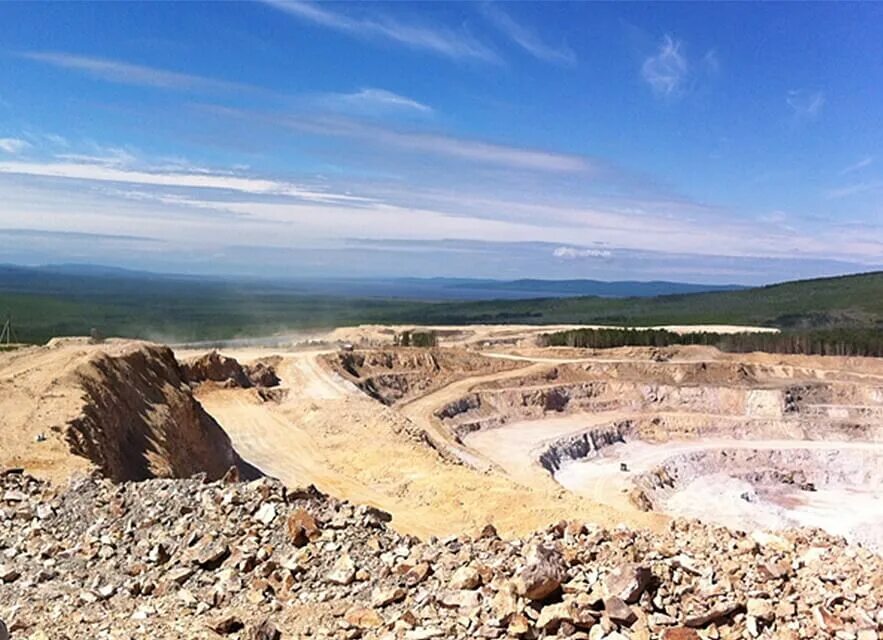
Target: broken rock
[
  {"x": 628, "y": 582},
  {"x": 542, "y": 575}
]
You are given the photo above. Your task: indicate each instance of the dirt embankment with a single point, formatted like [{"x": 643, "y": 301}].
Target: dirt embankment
[
  {"x": 140, "y": 420},
  {"x": 399, "y": 374},
  {"x": 124, "y": 408}
]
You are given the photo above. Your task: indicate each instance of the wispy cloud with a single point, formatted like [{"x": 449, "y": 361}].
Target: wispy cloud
[
  {"x": 528, "y": 40},
  {"x": 78, "y": 235},
  {"x": 666, "y": 70},
  {"x": 370, "y": 100},
  {"x": 451, "y": 146},
  {"x": 99, "y": 172},
  {"x": 457, "y": 44},
  {"x": 112, "y": 156},
  {"x": 132, "y": 74},
  {"x": 576, "y": 253},
  {"x": 13, "y": 145},
  {"x": 857, "y": 166},
  {"x": 806, "y": 105},
  {"x": 467, "y": 149},
  {"x": 852, "y": 189},
  {"x": 711, "y": 61},
  {"x": 671, "y": 73}
]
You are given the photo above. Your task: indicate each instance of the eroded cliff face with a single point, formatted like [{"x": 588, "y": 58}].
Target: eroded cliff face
[{"x": 139, "y": 419}]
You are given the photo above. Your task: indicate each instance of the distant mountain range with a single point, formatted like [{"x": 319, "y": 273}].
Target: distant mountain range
[
  {"x": 53, "y": 278},
  {"x": 533, "y": 288}
]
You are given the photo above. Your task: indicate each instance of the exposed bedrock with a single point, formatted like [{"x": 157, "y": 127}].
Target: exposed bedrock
[
  {"x": 220, "y": 369},
  {"x": 820, "y": 409},
  {"x": 399, "y": 374},
  {"x": 583, "y": 445}
]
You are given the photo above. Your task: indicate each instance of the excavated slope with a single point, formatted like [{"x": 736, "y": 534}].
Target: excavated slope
[
  {"x": 123, "y": 408},
  {"x": 685, "y": 400},
  {"x": 395, "y": 375}
]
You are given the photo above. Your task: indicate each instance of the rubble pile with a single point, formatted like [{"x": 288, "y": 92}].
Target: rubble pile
[{"x": 164, "y": 559}]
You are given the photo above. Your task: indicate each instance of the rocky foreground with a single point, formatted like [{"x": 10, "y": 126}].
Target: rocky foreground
[{"x": 164, "y": 559}]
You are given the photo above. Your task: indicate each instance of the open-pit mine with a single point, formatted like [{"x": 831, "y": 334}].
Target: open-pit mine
[{"x": 486, "y": 487}]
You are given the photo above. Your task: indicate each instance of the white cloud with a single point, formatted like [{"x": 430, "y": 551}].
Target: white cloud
[
  {"x": 105, "y": 156},
  {"x": 806, "y": 105},
  {"x": 373, "y": 100},
  {"x": 181, "y": 208},
  {"x": 452, "y": 44},
  {"x": 13, "y": 145},
  {"x": 528, "y": 40},
  {"x": 671, "y": 73},
  {"x": 132, "y": 74},
  {"x": 574, "y": 253},
  {"x": 667, "y": 70},
  {"x": 857, "y": 166},
  {"x": 450, "y": 146},
  {"x": 412, "y": 141},
  {"x": 98, "y": 172}
]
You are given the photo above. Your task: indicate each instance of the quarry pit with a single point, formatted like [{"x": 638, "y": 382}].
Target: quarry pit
[
  {"x": 485, "y": 428},
  {"x": 749, "y": 441}
]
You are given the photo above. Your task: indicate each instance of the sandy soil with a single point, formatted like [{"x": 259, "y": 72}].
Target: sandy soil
[
  {"x": 36, "y": 400},
  {"x": 326, "y": 433}
]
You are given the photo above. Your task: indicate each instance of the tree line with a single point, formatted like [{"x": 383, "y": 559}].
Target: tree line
[{"x": 824, "y": 342}]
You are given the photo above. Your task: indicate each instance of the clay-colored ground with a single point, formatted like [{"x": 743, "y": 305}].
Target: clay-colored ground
[
  {"x": 329, "y": 434},
  {"x": 38, "y": 396},
  {"x": 121, "y": 407}
]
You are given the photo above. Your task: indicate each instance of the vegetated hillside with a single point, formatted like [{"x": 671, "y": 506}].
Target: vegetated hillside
[
  {"x": 854, "y": 300},
  {"x": 44, "y": 304}
]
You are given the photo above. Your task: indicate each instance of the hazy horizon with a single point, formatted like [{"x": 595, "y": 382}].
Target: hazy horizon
[{"x": 706, "y": 143}]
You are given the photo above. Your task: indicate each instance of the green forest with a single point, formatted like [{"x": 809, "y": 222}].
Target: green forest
[
  {"x": 44, "y": 305},
  {"x": 823, "y": 342}
]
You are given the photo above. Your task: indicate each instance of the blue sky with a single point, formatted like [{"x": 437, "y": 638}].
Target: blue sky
[{"x": 709, "y": 142}]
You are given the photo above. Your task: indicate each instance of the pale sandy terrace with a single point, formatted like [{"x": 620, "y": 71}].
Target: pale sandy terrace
[
  {"x": 852, "y": 511},
  {"x": 716, "y": 496}
]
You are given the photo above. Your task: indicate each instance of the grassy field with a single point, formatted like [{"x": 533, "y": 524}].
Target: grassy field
[{"x": 189, "y": 309}]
